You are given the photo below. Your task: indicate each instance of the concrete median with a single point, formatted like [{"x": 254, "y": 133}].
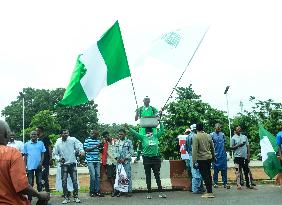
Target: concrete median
[{"x": 173, "y": 176}]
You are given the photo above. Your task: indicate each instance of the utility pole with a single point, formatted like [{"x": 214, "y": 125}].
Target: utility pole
[
  {"x": 229, "y": 123},
  {"x": 23, "y": 105},
  {"x": 241, "y": 105}
]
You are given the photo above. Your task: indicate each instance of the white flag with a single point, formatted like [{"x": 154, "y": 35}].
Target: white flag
[{"x": 178, "y": 47}]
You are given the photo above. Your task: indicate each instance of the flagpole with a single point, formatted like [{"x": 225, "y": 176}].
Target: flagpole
[
  {"x": 170, "y": 96},
  {"x": 133, "y": 88}
]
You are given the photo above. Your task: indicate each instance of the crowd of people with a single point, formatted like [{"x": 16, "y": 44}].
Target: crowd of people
[{"x": 21, "y": 163}]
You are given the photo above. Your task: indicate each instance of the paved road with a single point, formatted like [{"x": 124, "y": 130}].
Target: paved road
[{"x": 264, "y": 195}]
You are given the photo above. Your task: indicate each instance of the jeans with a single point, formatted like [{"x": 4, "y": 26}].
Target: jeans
[
  {"x": 127, "y": 168},
  {"x": 223, "y": 175},
  {"x": 94, "y": 171},
  {"x": 189, "y": 173},
  {"x": 196, "y": 177},
  {"x": 38, "y": 176},
  {"x": 72, "y": 171},
  {"x": 45, "y": 178},
  {"x": 205, "y": 170}
]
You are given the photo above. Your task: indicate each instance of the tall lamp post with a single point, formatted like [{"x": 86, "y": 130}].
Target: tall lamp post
[
  {"x": 229, "y": 124},
  {"x": 22, "y": 96}
]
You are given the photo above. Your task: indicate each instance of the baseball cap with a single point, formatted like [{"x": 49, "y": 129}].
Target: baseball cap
[{"x": 193, "y": 127}]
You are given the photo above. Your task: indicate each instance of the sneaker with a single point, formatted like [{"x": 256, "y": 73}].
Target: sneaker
[
  {"x": 66, "y": 200},
  {"x": 208, "y": 195},
  {"x": 162, "y": 195},
  {"x": 149, "y": 196},
  {"x": 215, "y": 186},
  {"x": 76, "y": 200},
  {"x": 99, "y": 194}
]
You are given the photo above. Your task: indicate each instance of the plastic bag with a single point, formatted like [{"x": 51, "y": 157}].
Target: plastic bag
[{"x": 121, "y": 181}]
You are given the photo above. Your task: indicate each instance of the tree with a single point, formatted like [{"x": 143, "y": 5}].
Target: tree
[
  {"x": 48, "y": 120},
  {"x": 268, "y": 113},
  {"x": 35, "y": 101},
  {"x": 79, "y": 120},
  {"x": 188, "y": 109}
]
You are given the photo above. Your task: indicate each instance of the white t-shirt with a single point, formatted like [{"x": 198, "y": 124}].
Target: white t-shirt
[{"x": 19, "y": 145}]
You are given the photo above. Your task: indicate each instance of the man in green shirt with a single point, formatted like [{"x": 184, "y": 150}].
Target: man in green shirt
[
  {"x": 144, "y": 111},
  {"x": 151, "y": 156}
]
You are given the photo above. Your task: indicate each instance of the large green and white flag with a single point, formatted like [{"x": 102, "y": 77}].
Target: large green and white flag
[
  {"x": 103, "y": 64},
  {"x": 178, "y": 47},
  {"x": 269, "y": 148}
]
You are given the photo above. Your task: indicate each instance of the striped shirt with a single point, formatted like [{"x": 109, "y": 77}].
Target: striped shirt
[{"x": 94, "y": 155}]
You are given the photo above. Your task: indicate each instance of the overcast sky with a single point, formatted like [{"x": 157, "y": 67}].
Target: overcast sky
[{"x": 40, "y": 41}]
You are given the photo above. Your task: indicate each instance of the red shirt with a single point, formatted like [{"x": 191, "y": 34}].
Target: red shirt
[
  {"x": 12, "y": 177},
  {"x": 105, "y": 154}
]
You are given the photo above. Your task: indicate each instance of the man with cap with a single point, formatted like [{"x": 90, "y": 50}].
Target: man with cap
[
  {"x": 197, "y": 184},
  {"x": 14, "y": 185}
]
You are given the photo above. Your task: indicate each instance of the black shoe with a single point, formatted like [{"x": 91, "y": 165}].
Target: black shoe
[
  {"x": 118, "y": 194},
  {"x": 92, "y": 194},
  {"x": 99, "y": 194},
  {"x": 249, "y": 187}
]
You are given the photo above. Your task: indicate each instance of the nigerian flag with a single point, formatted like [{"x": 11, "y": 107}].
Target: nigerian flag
[
  {"x": 101, "y": 65},
  {"x": 268, "y": 146}
]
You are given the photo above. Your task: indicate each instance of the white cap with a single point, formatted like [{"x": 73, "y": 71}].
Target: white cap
[{"x": 193, "y": 127}]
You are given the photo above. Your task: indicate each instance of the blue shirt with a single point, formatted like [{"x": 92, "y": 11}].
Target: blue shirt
[
  {"x": 33, "y": 151},
  {"x": 219, "y": 144},
  {"x": 279, "y": 139},
  {"x": 219, "y": 149},
  {"x": 94, "y": 155},
  {"x": 189, "y": 140}
]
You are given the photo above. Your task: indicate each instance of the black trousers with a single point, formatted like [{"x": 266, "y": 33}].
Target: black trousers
[
  {"x": 152, "y": 163},
  {"x": 243, "y": 164},
  {"x": 205, "y": 171}
]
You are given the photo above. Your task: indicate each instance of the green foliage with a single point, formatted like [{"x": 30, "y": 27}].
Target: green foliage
[
  {"x": 187, "y": 109},
  {"x": 53, "y": 138},
  {"x": 46, "y": 119},
  {"x": 79, "y": 120},
  {"x": 268, "y": 113}
]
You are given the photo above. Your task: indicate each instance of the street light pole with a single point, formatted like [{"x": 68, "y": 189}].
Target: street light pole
[
  {"x": 22, "y": 96},
  {"x": 229, "y": 123}
]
